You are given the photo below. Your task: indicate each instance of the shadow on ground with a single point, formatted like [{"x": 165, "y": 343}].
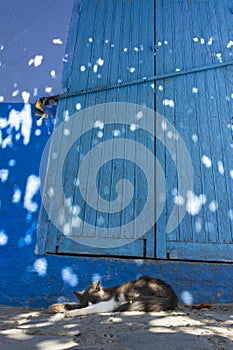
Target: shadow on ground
[{"x": 27, "y": 328}]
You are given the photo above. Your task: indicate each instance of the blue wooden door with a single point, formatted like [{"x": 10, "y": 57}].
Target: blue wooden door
[
  {"x": 189, "y": 52},
  {"x": 110, "y": 42},
  {"x": 191, "y": 35}
]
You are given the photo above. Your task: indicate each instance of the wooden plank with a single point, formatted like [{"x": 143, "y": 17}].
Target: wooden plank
[
  {"x": 209, "y": 219},
  {"x": 80, "y": 78},
  {"x": 70, "y": 47},
  {"x": 70, "y": 245},
  {"x": 223, "y": 123},
  {"x": 96, "y": 79},
  {"x": 106, "y": 76},
  {"x": 161, "y": 239},
  {"x": 147, "y": 98},
  {"x": 224, "y": 191},
  {"x": 225, "y": 161},
  {"x": 118, "y": 71},
  {"x": 54, "y": 198},
  {"x": 172, "y": 113},
  {"x": 185, "y": 111},
  {"x": 200, "y": 251}
]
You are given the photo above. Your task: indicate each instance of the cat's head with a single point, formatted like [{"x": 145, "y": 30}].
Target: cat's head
[{"x": 91, "y": 295}]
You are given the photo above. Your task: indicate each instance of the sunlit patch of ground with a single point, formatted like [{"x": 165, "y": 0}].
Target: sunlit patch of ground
[{"x": 26, "y": 328}]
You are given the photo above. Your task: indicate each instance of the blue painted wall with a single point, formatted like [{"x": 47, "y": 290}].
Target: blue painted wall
[{"x": 38, "y": 280}]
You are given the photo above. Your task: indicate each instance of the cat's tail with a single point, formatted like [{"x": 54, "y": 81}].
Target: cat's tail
[{"x": 149, "y": 304}]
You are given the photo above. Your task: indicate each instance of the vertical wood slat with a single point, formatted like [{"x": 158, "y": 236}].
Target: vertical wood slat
[
  {"x": 185, "y": 228},
  {"x": 160, "y": 28}
]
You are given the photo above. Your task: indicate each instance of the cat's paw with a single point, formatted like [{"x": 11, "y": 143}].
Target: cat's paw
[
  {"x": 56, "y": 308},
  {"x": 73, "y": 313},
  {"x": 68, "y": 314}
]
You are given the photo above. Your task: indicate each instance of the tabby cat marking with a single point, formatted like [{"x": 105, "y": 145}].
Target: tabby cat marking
[{"x": 148, "y": 294}]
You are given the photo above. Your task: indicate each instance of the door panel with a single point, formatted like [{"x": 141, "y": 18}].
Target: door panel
[
  {"x": 113, "y": 43},
  {"x": 197, "y": 34}
]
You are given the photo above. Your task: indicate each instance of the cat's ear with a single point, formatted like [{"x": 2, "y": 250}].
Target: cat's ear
[
  {"x": 98, "y": 285},
  {"x": 78, "y": 294}
]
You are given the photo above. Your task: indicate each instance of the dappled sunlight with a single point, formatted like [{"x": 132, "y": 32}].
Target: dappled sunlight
[
  {"x": 3, "y": 238},
  {"x": 186, "y": 297},
  {"x": 57, "y": 41},
  {"x": 114, "y": 319},
  {"x": 179, "y": 200},
  {"x": 206, "y": 161},
  {"x": 39, "y": 266},
  {"x": 139, "y": 115},
  {"x": 78, "y": 106},
  {"x": 184, "y": 327},
  {"x": 221, "y": 168},
  {"x": 198, "y": 225},
  {"x": 4, "y": 173},
  {"x": 36, "y": 61},
  {"x": 16, "y": 335},
  {"x": 21, "y": 122},
  {"x": 96, "y": 277},
  {"x": 213, "y": 206},
  {"x": 28, "y": 238},
  {"x": 69, "y": 276},
  {"x": 161, "y": 329},
  {"x": 169, "y": 103},
  {"x": 22, "y": 138},
  {"x": 70, "y": 326},
  {"x": 16, "y": 195},
  {"x": 116, "y": 133},
  {"x": 39, "y": 324},
  {"x": 194, "y": 203},
  {"x": 230, "y": 214},
  {"x": 47, "y": 344},
  {"x": 194, "y": 138},
  {"x": 22, "y": 314},
  {"x": 32, "y": 187}
]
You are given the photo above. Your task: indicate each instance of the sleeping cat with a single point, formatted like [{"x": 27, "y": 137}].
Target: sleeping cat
[{"x": 145, "y": 294}]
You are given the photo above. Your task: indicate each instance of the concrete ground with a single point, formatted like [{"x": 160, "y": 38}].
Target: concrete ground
[{"x": 205, "y": 329}]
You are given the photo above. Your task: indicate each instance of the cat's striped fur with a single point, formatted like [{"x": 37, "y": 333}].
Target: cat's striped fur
[{"x": 147, "y": 294}]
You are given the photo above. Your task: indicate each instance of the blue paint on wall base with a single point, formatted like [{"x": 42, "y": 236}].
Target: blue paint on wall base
[
  {"x": 33, "y": 280},
  {"x": 195, "y": 282}
]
